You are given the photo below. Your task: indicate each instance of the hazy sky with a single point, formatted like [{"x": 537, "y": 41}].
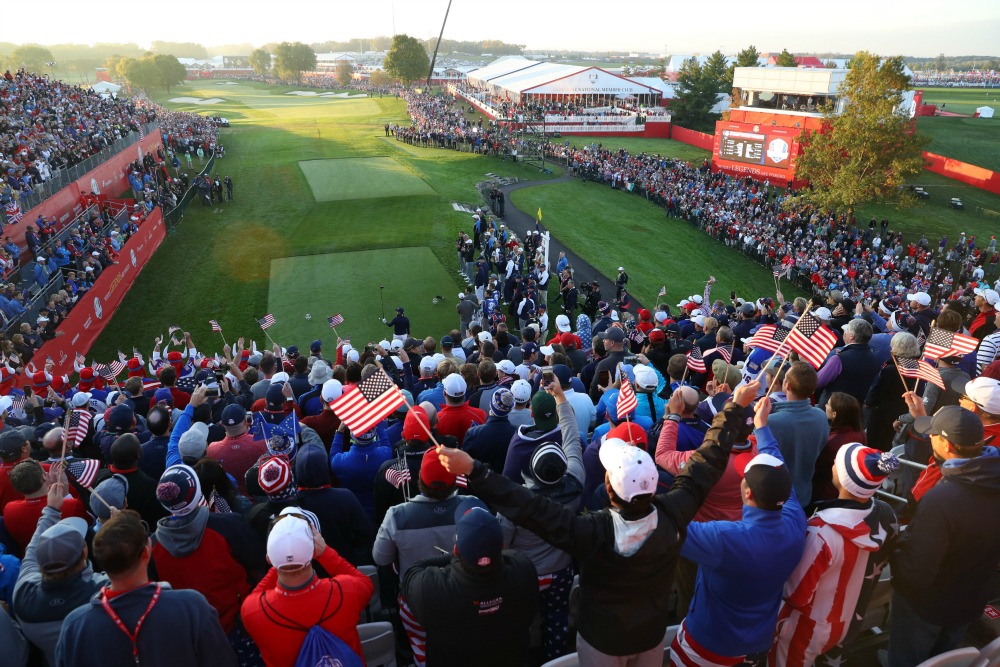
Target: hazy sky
[{"x": 911, "y": 27}]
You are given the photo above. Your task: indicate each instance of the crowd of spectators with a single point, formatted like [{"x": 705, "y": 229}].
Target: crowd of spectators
[{"x": 47, "y": 125}]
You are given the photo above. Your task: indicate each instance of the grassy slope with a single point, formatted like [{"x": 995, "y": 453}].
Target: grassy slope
[
  {"x": 973, "y": 140},
  {"x": 217, "y": 264}
]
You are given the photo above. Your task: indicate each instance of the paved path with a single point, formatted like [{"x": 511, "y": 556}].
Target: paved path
[{"x": 521, "y": 222}]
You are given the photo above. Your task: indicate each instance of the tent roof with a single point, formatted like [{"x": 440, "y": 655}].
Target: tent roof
[
  {"x": 106, "y": 87},
  {"x": 536, "y": 75},
  {"x": 500, "y": 67},
  {"x": 590, "y": 81},
  {"x": 665, "y": 88}
]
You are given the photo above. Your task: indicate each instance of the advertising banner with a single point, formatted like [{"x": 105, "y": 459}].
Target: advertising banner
[
  {"x": 94, "y": 310},
  {"x": 763, "y": 152}
]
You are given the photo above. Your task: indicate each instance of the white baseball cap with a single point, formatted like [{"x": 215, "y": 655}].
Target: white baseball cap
[
  {"x": 562, "y": 323},
  {"x": 923, "y": 298},
  {"x": 991, "y": 296},
  {"x": 485, "y": 336},
  {"x": 352, "y": 355},
  {"x": 279, "y": 377},
  {"x": 697, "y": 298},
  {"x": 822, "y": 313},
  {"x": 698, "y": 319},
  {"x": 80, "y": 399},
  {"x": 455, "y": 385},
  {"x": 427, "y": 364},
  {"x": 546, "y": 350},
  {"x": 384, "y": 344},
  {"x": 614, "y": 316},
  {"x": 645, "y": 377},
  {"x": 630, "y": 469},
  {"x": 506, "y": 366},
  {"x": 521, "y": 390},
  {"x": 332, "y": 390},
  {"x": 290, "y": 543},
  {"x": 984, "y": 392},
  {"x": 396, "y": 344}
]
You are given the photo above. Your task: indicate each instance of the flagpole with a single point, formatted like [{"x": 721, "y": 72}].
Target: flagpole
[
  {"x": 224, "y": 343},
  {"x": 69, "y": 414},
  {"x": 266, "y": 335},
  {"x": 903, "y": 379}
]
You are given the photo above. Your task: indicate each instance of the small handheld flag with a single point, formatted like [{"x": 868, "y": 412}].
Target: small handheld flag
[
  {"x": 335, "y": 320},
  {"x": 215, "y": 326},
  {"x": 539, "y": 213},
  {"x": 627, "y": 401},
  {"x": 368, "y": 403},
  {"x": 266, "y": 321},
  {"x": 695, "y": 361}
]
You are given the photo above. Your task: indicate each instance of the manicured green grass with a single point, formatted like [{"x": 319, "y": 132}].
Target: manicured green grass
[
  {"x": 962, "y": 100},
  {"x": 972, "y": 140},
  {"x": 361, "y": 178},
  {"x": 613, "y": 228},
  {"x": 348, "y": 283},
  {"x": 216, "y": 263}
]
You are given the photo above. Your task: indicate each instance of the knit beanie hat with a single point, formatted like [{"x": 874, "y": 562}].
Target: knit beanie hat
[
  {"x": 412, "y": 429},
  {"x": 502, "y": 402},
  {"x": 179, "y": 490},
  {"x": 275, "y": 478},
  {"x": 861, "y": 470},
  {"x": 364, "y": 439},
  {"x": 548, "y": 463},
  {"x": 543, "y": 410}
]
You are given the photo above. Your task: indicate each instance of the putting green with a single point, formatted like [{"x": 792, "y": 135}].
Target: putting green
[
  {"x": 362, "y": 178},
  {"x": 348, "y": 283}
]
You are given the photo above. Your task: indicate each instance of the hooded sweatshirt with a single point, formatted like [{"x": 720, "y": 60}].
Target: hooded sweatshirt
[
  {"x": 217, "y": 555},
  {"x": 847, "y": 546},
  {"x": 946, "y": 580}
]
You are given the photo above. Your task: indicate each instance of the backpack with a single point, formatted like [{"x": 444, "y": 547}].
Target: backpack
[{"x": 320, "y": 648}]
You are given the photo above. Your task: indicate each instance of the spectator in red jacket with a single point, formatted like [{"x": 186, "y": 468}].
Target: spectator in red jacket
[
  {"x": 20, "y": 517},
  {"x": 14, "y": 448},
  {"x": 457, "y": 415},
  {"x": 291, "y": 599}
]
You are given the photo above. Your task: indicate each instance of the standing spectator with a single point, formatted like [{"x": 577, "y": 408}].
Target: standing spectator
[
  {"x": 457, "y": 416},
  {"x": 944, "y": 561},
  {"x": 20, "y": 517},
  {"x": 800, "y": 429},
  {"x": 55, "y": 576},
  {"x": 844, "y": 414},
  {"x": 626, "y": 572},
  {"x": 238, "y": 451},
  {"x": 488, "y": 442},
  {"x": 884, "y": 402},
  {"x": 847, "y": 546},
  {"x": 291, "y": 599},
  {"x": 181, "y": 628},
  {"x": 356, "y": 468},
  {"x": 852, "y": 368},
  {"x": 742, "y": 565},
  {"x": 478, "y": 602},
  {"x": 215, "y": 554}
]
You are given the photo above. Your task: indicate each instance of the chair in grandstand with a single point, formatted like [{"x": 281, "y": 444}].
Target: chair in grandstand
[
  {"x": 571, "y": 660},
  {"x": 378, "y": 643},
  {"x": 989, "y": 656},
  {"x": 960, "y": 657},
  {"x": 374, "y": 609}
]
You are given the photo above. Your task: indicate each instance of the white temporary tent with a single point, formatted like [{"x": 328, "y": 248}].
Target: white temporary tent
[
  {"x": 985, "y": 112},
  {"x": 106, "y": 88}
]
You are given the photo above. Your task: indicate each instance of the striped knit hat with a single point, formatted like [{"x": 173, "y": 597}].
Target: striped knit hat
[
  {"x": 548, "y": 463},
  {"x": 861, "y": 470}
]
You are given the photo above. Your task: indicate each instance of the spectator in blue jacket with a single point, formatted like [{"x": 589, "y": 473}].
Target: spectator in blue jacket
[
  {"x": 743, "y": 564},
  {"x": 356, "y": 468},
  {"x": 41, "y": 273}
]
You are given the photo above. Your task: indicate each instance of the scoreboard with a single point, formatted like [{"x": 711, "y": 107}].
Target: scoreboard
[{"x": 742, "y": 146}]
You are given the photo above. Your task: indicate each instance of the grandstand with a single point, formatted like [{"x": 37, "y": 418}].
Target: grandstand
[{"x": 79, "y": 183}]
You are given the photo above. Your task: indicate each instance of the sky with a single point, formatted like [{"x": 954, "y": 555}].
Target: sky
[{"x": 886, "y": 27}]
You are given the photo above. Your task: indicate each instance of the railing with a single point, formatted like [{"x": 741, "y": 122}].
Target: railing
[
  {"x": 64, "y": 177},
  {"x": 174, "y": 216}
]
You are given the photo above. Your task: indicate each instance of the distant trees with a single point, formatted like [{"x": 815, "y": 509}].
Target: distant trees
[
  {"x": 717, "y": 69},
  {"x": 697, "y": 93},
  {"x": 291, "y": 59},
  {"x": 380, "y": 78},
  {"x": 786, "y": 59},
  {"x": 748, "y": 57},
  {"x": 32, "y": 58},
  {"x": 867, "y": 153},
  {"x": 260, "y": 61},
  {"x": 150, "y": 72},
  {"x": 406, "y": 60},
  {"x": 344, "y": 72},
  {"x": 180, "y": 49}
]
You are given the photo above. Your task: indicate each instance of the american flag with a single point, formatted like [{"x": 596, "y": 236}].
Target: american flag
[
  {"x": 627, "y": 402},
  {"x": 335, "y": 320},
  {"x": 266, "y": 321},
  {"x": 943, "y": 343},
  {"x": 80, "y": 361},
  {"x": 84, "y": 470},
  {"x": 398, "y": 474},
  {"x": 14, "y": 213},
  {"x": 368, "y": 403},
  {"x": 17, "y": 403},
  {"x": 110, "y": 371},
  {"x": 663, "y": 291},
  {"x": 919, "y": 369},
  {"x": 777, "y": 273},
  {"x": 696, "y": 362},
  {"x": 812, "y": 340},
  {"x": 637, "y": 336},
  {"x": 215, "y": 326},
  {"x": 725, "y": 351},
  {"x": 79, "y": 426},
  {"x": 769, "y": 337}
]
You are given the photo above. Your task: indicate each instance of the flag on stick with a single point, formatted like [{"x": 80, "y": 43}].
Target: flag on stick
[
  {"x": 335, "y": 320},
  {"x": 921, "y": 370},
  {"x": 539, "y": 213},
  {"x": 695, "y": 361},
  {"x": 943, "y": 343},
  {"x": 79, "y": 426},
  {"x": 663, "y": 291},
  {"x": 725, "y": 351},
  {"x": 812, "y": 340},
  {"x": 769, "y": 337},
  {"x": 627, "y": 402},
  {"x": 215, "y": 326},
  {"x": 84, "y": 470},
  {"x": 266, "y": 321},
  {"x": 368, "y": 403}
]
